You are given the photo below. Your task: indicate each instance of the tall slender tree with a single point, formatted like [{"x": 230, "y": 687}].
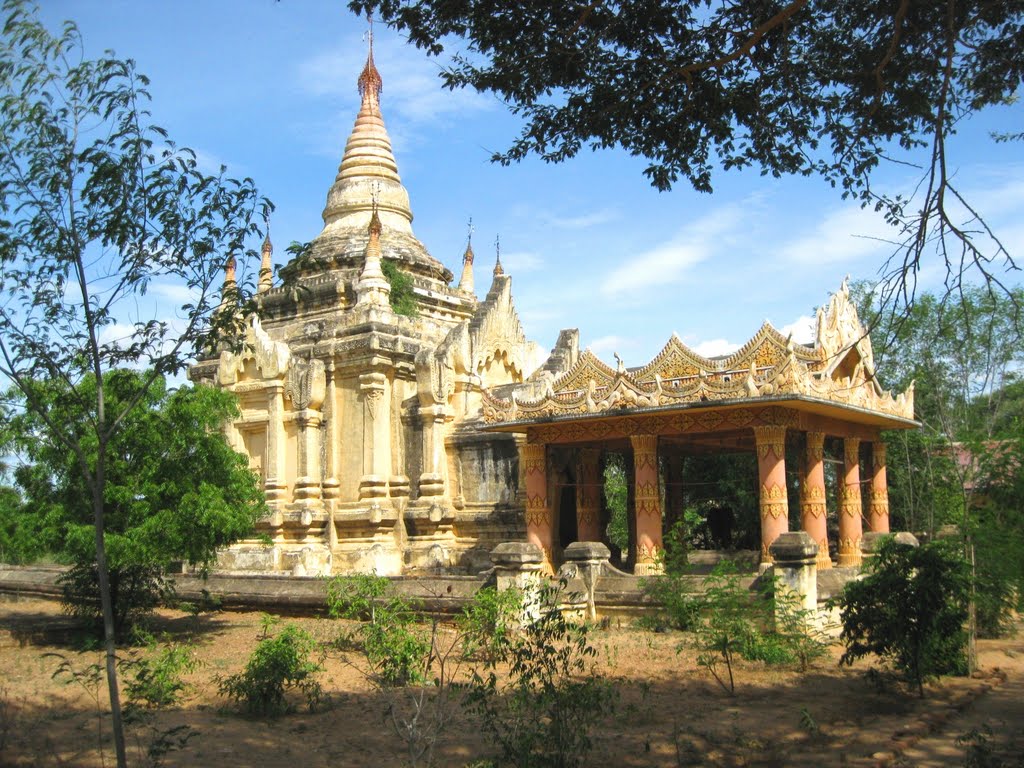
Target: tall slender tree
[{"x": 99, "y": 212}]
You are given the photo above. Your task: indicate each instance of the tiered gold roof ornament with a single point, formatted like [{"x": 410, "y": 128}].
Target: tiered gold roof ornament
[{"x": 838, "y": 369}]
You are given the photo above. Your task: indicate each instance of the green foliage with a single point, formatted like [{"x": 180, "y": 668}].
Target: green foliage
[
  {"x": 394, "y": 645},
  {"x": 730, "y": 624},
  {"x": 489, "y": 622},
  {"x": 797, "y": 630},
  {"x": 156, "y": 680},
  {"x": 174, "y": 488},
  {"x": 402, "y": 298},
  {"x": 781, "y": 87},
  {"x": 278, "y": 666},
  {"x": 543, "y": 714},
  {"x": 910, "y": 609},
  {"x": 615, "y": 499},
  {"x": 135, "y": 590},
  {"x": 678, "y": 606},
  {"x": 98, "y": 206},
  {"x": 20, "y": 538}
]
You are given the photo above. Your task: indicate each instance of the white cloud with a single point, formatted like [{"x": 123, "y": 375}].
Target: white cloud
[
  {"x": 609, "y": 344},
  {"x": 585, "y": 221},
  {"x": 803, "y": 329},
  {"x": 669, "y": 262},
  {"x": 518, "y": 262},
  {"x": 715, "y": 348},
  {"x": 845, "y": 236}
]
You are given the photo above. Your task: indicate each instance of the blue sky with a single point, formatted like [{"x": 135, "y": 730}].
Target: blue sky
[{"x": 268, "y": 89}]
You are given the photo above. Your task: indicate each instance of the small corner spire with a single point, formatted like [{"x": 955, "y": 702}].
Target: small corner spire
[
  {"x": 466, "y": 281},
  {"x": 372, "y": 288},
  {"x": 498, "y": 269},
  {"x": 266, "y": 279},
  {"x": 229, "y": 291}
]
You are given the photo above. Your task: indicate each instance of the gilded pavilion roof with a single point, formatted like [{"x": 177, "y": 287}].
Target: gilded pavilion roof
[{"x": 837, "y": 368}]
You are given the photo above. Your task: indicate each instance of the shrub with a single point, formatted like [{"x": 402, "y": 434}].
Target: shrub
[
  {"x": 278, "y": 666},
  {"x": 135, "y": 590},
  {"x": 911, "y": 610},
  {"x": 156, "y": 679},
  {"x": 729, "y": 626},
  {"x": 678, "y": 606},
  {"x": 489, "y": 622},
  {"x": 394, "y": 646},
  {"x": 543, "y": 714}
]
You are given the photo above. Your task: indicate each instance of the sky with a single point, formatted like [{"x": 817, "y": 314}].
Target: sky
[{"x": 269, "y": 90}]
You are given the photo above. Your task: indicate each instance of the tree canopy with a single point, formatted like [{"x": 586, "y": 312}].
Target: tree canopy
[
  {"x": 175, "y": 489},
  {"x": 798, "y": 87}
]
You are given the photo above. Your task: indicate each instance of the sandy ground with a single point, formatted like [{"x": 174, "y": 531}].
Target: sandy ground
[{"x": 669, "y": 712}]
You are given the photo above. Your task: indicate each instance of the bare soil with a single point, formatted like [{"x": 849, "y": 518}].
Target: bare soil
[{"x": 669, "y": 711}]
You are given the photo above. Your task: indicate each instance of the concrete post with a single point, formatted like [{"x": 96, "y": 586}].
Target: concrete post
[
  {"x": 878, "y": 498},
  {"x": 590, "y": 558},
  {"x": 533, "y": 460},
  {"x": 795, "y": 576},
  {"x": 588, "y": 494},
  {"x": 519, "y": 565}
]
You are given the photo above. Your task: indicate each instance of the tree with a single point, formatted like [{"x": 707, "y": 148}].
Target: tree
[
  {"x": 98, "y": 210},
  {"x": 911, "y": 609},
  {"x": 964, "y": 465},
  {"x": 785, "y": 86},
  {"x": 174, "y": 487}
]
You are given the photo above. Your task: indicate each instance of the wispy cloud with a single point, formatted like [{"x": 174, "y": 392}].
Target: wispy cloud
[
  {"x": 605, "y": 345},
  {"x": 584, "y": 221},
  {"x": 669, "y": 262},
  {"x": 518, "y": 262},
  {"x": 846, "y": 236}
]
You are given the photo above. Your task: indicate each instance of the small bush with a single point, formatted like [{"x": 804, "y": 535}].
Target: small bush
[
  {"x": 489, "y": 621},
  {"x": 910, "y": 609},
  {"x": 678, "y": 606},
  {"x": 543, "y": 714},
  {"x": 135, "y": 591},
  {"x": 278, "y": 666},
  {"x": 394, "y": 645},
  {"x": 156, "y": 679}
]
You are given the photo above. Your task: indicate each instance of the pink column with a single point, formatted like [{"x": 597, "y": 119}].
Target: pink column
[
  {"x": 533, "y": 457},
  {"x": 878, "y": 500},
  {"x": 813, "y": 509},
  {"x": 588, "y": 494},
  {"x": 850, "y": 513},
  {"x": 647, "y": 513},
  {"x": 771, "y": 471}
]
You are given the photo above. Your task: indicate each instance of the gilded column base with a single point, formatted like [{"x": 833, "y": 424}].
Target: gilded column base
[
  {"x": 649, "y": 569},
  {"x": 849, "y": 554}
]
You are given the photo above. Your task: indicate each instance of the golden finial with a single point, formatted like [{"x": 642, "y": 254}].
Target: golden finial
[
  {"x": 375, "y": 225},
  {"x": 498, "y": 270},
  {"x": 370, "y": 80},
  {"x": 467, "y": 257}
]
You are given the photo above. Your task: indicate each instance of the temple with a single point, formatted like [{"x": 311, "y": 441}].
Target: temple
[{"x": 403, "y": 437}]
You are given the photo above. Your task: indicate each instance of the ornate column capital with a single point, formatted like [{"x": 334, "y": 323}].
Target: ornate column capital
[{"x": 770, "y": 439}]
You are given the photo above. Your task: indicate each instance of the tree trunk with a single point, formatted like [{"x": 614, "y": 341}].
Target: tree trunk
[{"x": 106, "y": 605}]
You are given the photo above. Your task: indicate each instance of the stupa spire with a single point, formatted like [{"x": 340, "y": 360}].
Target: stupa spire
[
  {"x": 498, "y": 269},
  {"x": 373, "y": 289},
  {"x": 466, "y": 281},
  {"x": 229, "y": 290},
  {"x": 266, "y": 281},
  {"x": 368, "y": 165}
]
